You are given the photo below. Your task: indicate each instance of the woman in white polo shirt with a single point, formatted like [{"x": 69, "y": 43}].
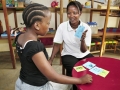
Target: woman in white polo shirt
[{"x": 75, "y": 47}]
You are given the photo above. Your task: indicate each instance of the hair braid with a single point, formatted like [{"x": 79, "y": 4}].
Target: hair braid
[
  {"x": 28, "y": 7},
  {"x": 32, "y": 13}
]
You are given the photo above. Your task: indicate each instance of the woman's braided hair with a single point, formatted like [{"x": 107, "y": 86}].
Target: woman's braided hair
[{"x": 32, "y": 13}]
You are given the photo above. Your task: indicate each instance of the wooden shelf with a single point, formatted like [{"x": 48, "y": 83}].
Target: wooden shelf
[
  {"x": 110, "y": 15},
  {"x": 90, "y": 9},
  {"x": 14, "y": 8},
  {"x": 22, "y": 8},
  {"x": 86, "y": 10},
  {"x": 115, "y": 9},
  {"x": 98, "y": 10},
  {"x": 97, "y": 2},
  {"x": 58, "y": 9},
  {"x": 100, "y": 33},
  {"x": 1, "y": 38},
  {"x": 113, "y": 13},
  {"x": 52, "y": 9},
  {"x": 46, "y": 36},
  {"x": 93, "y": 10}
]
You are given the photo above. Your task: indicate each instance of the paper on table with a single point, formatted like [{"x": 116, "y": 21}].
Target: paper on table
[
  {"x": 79, "y": 68},
  {"x": 96, "y": 70},
  {"x": 89, "y": 65},
  {"x": 104, "y": 73}
]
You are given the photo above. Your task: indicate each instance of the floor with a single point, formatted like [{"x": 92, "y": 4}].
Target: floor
[{"x": 8, "y": 75}]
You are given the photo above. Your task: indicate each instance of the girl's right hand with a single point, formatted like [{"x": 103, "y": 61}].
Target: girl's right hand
[{"x": 86, "y": 79}]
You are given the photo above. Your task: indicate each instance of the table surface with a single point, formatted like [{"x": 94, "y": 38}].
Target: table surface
[{"x": 110, "y": 82}]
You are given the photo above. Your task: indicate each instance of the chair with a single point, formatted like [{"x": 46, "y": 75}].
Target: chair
[
  {"x": 95, "y": 45},
  {"x": 14, "y": 51},
  {"x": 110, "y": 44},
  {"x": 63, "y": 69},
  {"x": 118, "y": 45}
]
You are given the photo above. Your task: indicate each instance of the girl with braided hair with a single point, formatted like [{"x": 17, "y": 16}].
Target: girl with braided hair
[{"x": 36, "y": 72}]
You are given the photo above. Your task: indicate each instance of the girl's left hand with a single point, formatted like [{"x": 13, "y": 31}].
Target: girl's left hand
[{"x": 83, "y": 35}]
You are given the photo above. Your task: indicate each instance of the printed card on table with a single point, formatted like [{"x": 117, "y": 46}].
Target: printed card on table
[
  {"x": 96, "y": 70},
  {"x": 79, "y": 31},
  {"x": 89, "y": 65},
  {"x": 79, "y": 68},
  {"x": 104, "y": 73}
]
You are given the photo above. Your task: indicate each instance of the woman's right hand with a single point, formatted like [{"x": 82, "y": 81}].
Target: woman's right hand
[{"x": 86, "y": 79}]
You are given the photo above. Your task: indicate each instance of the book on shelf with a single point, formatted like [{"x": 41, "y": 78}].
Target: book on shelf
[
  {"x": 51, "y": 31},
  {"x": 5, "y": 35}
]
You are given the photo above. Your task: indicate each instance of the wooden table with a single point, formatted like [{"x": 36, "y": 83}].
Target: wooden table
[{"x": 110, "y": 82}]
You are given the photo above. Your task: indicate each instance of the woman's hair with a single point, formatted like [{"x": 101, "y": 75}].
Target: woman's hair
[
  {"x": 77, "y": 4},
  {"x": 32, "y": 13}
]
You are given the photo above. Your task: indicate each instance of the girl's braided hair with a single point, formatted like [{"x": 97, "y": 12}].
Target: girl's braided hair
[{"x": 32, "y": 13}]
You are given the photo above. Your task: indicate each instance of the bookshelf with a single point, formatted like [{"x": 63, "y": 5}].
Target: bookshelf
[{"x": 10, "y": 38}]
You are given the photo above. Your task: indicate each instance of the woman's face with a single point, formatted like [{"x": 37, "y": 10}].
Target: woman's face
[{"x": 73, "y": 14}]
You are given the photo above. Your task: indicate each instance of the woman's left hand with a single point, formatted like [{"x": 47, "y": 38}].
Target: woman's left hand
[{"x": 83, "y": 35}]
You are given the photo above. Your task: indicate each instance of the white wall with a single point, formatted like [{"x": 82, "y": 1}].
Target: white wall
[{"x": 113, "y": 22}]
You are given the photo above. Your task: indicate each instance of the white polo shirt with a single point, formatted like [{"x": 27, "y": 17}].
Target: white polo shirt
[{"x": 71, "y": 44}]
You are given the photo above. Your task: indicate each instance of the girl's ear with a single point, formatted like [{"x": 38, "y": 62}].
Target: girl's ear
[{"x": 37, "y": 26}]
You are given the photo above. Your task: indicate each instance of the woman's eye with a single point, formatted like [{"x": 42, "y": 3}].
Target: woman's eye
[
  {"x": 75, "y": 13},
  {"x": 72, "y": 13},
  {"x": 68, "y": 13}
]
